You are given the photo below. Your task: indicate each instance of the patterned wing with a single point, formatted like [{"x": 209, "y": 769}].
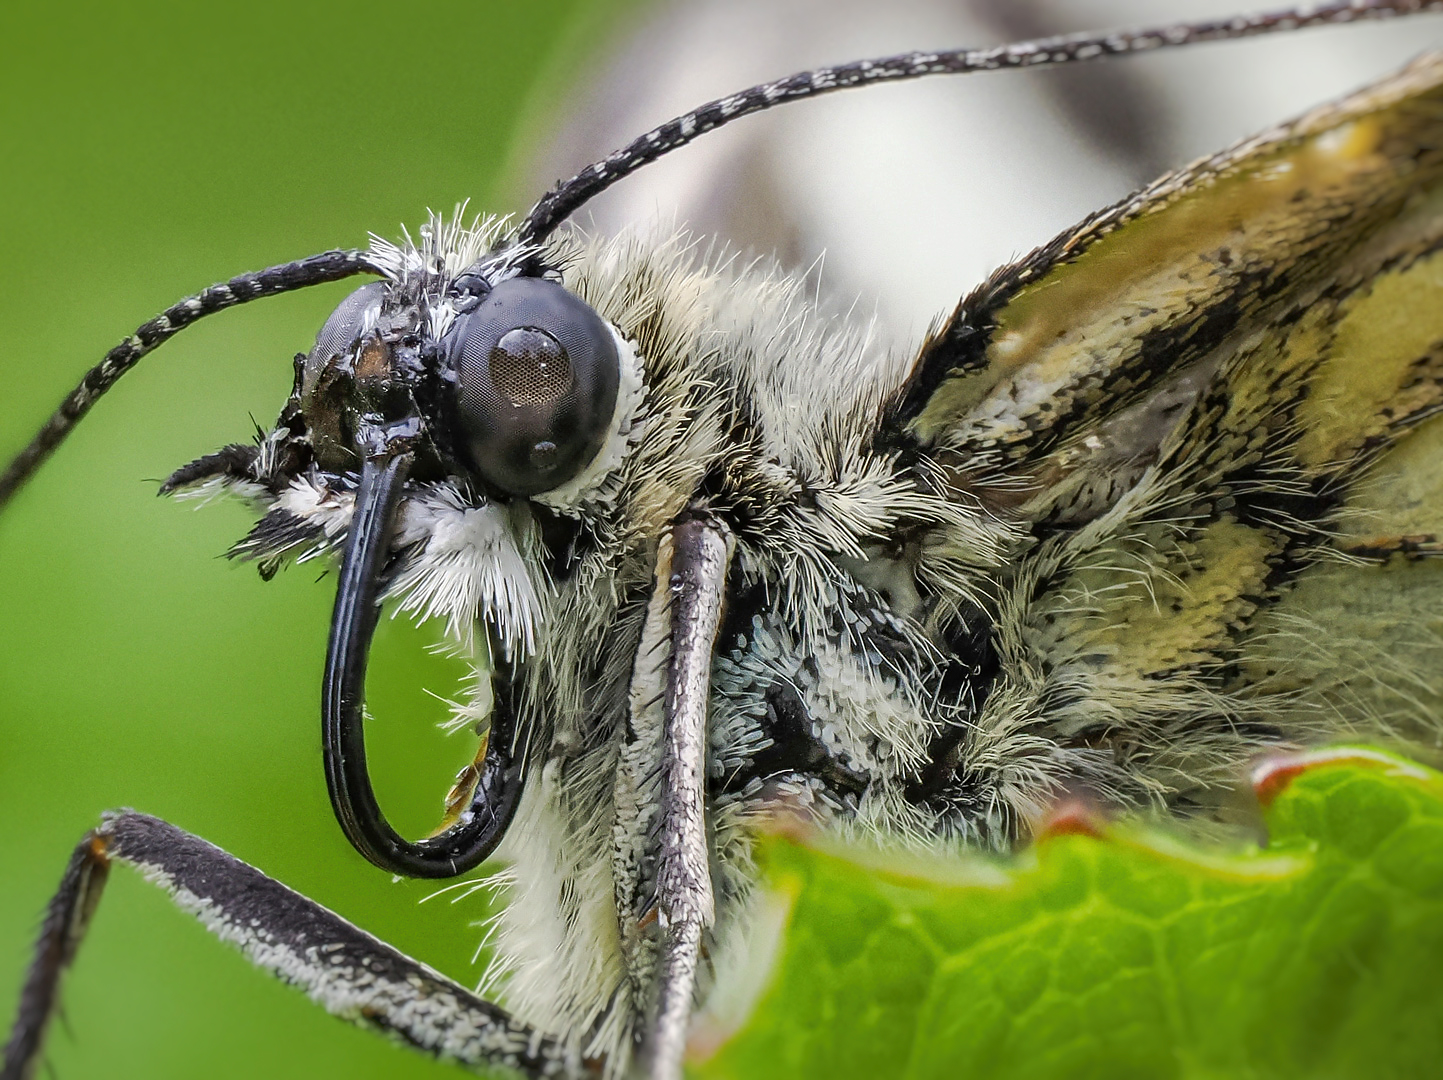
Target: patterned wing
[
  {"x": 1212, "y": 413},
  {"x": 1179, "y": 273}
]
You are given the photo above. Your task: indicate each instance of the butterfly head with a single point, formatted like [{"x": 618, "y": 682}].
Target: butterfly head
[
  {"x": 442, "y": 411},
  {"x": 496, "y": 375}
]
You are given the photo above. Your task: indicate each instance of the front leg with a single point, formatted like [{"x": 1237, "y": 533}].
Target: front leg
[
  {"x": 700, "y": 557},
  {"x": 345, "y": 970}
]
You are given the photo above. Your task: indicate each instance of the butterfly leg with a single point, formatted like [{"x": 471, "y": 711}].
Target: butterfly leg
[
  {"x": 683, "y": 889},
  {"x": 342, "y": 968}
]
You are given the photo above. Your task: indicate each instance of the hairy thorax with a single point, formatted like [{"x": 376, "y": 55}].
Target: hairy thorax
[{"x": 853, "y": 647}]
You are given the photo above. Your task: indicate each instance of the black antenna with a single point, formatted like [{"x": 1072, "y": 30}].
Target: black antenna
[
  {"x": 328, "y": 266},
  {"x": 564, "y": 200}
]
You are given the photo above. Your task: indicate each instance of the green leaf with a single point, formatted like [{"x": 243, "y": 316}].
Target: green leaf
[{"x": 1120, "y": 953}]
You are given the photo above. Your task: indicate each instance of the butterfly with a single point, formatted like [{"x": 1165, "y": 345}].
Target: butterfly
[{"x": 1086, "y": 536}]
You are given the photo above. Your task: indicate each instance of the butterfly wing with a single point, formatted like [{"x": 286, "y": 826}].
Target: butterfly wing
[
  {"x": 1211, "y": 412},
  {"x": 1105, "y": 312}
]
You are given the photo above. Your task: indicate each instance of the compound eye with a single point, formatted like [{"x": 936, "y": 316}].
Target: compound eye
[
  {"x": 538, "y": 372},
  {"x": 344, "y": 326},
  {"x": 326, "y": 376}
]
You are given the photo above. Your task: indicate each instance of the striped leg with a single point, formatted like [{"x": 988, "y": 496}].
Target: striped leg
[
  {"x": 702, "y": 553},
  {"x": 342, "y": 968}
]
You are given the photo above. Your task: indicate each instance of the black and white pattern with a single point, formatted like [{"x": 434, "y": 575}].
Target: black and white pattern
[
  {"x": 908, "y": 597},
  {"x": 343, "y": 969},
  {"x": 150, "y": 335},
  {"x": 558, "y": 205}
]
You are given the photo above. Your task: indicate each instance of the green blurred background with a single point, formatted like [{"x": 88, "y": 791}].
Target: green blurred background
[{"x": 150, "y": 150}]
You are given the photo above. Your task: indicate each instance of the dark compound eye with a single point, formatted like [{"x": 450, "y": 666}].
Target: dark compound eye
[
  {"x": 538, "y": 372},
  {"x": 342, "y": 329},
  {"x": 326, "y": 376}
]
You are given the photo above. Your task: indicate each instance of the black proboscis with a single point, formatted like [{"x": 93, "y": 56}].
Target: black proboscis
[{"x": 343, "y": 694}]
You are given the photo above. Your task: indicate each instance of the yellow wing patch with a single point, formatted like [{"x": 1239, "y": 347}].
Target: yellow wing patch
[
  {"x": 1159, "y": 622},
  {"x": 1184, "y": 272},
  {"x": 1220, "y": 404},
  {"x": 1383, "y": 362}
]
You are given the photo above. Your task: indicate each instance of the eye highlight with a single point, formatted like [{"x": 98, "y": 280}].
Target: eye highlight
[
  {"x": 530, "y": 367},
  {"x": 537, "y": 371}
]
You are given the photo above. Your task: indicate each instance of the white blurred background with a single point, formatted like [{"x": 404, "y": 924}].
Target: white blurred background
[{"x": 916, "y": 191}]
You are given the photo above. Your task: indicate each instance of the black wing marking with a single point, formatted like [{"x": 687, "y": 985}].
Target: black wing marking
[{"x": 1054, "y": 346}]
